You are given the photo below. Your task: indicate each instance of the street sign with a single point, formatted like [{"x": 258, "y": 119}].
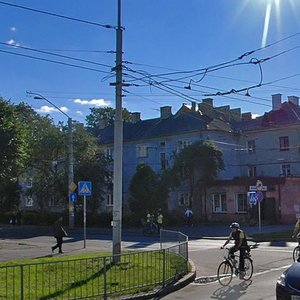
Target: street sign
[
  {"x": 253, "y": 188},
  {"x": 259, "y": 196},
  {"x": 252, "y": 198},
  {"x": 73, "y": 197},
  {"x": 84, "y": 188},
  {"x": 72, "y": 186}
]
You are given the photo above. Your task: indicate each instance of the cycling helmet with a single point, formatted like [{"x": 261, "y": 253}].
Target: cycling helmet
[{"x": 235, "y": 225}]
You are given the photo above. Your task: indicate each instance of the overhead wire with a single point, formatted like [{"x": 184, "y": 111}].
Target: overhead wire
[
  {"x": 54, "y": 54},
  {"x": 54, "y": 61},
  {"x": 58, "y": 15}
]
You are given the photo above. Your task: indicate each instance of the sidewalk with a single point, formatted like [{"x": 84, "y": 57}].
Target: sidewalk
[{"x": 19, "y": 242}]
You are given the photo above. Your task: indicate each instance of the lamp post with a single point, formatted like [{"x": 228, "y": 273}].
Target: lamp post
[{"x": 70, "y": 158}]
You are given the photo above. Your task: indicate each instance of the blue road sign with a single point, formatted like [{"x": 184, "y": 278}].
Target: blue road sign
[
  {"x": 73, "y": 197},
  {"x": 252, "y": 198},
  {"x": 84, "y": 188}
]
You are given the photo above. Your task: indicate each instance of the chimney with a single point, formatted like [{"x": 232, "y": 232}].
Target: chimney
[
  {"x": 193, "y": 106},
  {"x": 165, "y": 112},
  {"x": 294, "y": 99},
  {"x": 236, "y": 113},
  {"x": 208, "y": 101},
  {"x": 135, "y": 117},
  {"x": 276, "y": 101},
  {"x": 247, "y": 116}
]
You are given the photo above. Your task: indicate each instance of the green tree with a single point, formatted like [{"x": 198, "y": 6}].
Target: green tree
[
  {"x": 13, "y": 154},
  {"x": 197, "y": 165},
  {"x": 104, "y": 114},
  {"x": 147, "y": 191},
  {"x": 91, "y": 164}
]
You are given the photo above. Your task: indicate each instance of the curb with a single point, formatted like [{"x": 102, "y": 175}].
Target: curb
[{"x": 172, "y": 287}]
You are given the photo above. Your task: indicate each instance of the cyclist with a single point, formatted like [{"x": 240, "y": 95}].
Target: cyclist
[
  {"x": 240, "y": 244},
  {"x": 296, "y": 233}
]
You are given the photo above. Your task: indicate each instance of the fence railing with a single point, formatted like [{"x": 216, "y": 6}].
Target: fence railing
[{"x": 94, "y": 277}]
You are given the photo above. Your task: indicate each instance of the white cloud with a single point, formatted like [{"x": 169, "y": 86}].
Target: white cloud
[
  {"x": 79, "y": 112},
  {"x": 12, "y": 42},
  {"x": 45, "y": 109},
  {"x": 13, "y": 29},
  {"x": 254, "y": 116},
  {"x": 93, "y": 102}
]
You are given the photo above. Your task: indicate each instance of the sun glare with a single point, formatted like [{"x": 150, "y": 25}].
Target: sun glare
[{"x": 269, "y": 4}]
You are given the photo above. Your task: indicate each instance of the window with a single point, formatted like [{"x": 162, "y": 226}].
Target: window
[
  {"x": 28, "y": 201},
  {"x": 162, "y": 144},
  {"x": 184, "y": 199},
  {"x": 251, "y": 171},
  {"x": 163, "y": 161},
  {"x": 251, "y": 146},
  {"x": 284, "y": 144},
  {"x": 219, "y": 203},
  {"x": 241, "y": 203},
  {"x": 183, "y": 144},
  {"x": 286, "y": 170},
  {"x": 109, "y": 200},
  {"x": 142, "y": 150}
]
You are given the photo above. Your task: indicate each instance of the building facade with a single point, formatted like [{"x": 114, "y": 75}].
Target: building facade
[{"x": 266, "y": 148}]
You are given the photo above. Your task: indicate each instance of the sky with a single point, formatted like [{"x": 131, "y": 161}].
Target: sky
[{"x": 237, "y": 52}]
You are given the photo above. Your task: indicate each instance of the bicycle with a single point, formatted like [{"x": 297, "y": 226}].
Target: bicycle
[
  {"x": 296, "y": 251},
  {"x": 230, "y": 264}
]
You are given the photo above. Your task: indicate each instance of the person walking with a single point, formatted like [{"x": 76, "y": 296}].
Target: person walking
[
  {"x": 159, "y": 220},
  {"x": 240, "y": 244},
  {"x": 59, "y": 233}
]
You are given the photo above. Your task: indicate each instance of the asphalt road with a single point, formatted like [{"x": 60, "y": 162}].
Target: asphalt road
[{"x": 270, "y": 258}]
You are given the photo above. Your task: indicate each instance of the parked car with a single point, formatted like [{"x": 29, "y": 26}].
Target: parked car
[{"x": 288, "y": 284}]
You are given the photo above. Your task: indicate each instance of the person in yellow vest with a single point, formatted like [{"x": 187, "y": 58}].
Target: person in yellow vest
[
  {"x": 159, "y": 220},
  {"x": 296, "y": 232}
]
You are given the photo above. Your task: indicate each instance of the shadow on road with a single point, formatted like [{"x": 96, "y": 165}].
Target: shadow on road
[{"x": 231, "y": 292}]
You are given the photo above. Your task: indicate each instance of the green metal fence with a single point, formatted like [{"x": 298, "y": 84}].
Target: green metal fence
[{"x": 96, "y": 278}]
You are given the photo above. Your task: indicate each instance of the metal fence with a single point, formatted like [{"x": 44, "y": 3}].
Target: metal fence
[{"x": 96, "y": 278}]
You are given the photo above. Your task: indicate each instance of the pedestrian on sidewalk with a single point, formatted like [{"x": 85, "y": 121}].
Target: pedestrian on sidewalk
[
  {"x": 58, "y": 232},
  {"x": 159, "y": 220}
]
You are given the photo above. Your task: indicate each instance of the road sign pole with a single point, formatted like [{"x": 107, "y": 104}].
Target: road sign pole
[
  {"x": 84, "y": 221},
  {"x": 259, "y": 217}
]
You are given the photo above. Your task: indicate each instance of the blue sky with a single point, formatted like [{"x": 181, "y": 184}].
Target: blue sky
[{"x": 161, "y": 38}]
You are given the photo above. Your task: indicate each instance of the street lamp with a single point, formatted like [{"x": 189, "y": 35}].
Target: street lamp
[{"x": 70, "y": 158}]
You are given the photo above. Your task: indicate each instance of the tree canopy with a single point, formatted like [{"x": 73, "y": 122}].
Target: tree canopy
[
  {"x": 104, "y": 114},
  {"x": 147, "y": 191},
  {"x": 198, "y": 165}
]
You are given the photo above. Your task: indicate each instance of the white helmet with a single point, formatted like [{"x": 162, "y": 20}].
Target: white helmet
[{"x": 235, "y": 225}]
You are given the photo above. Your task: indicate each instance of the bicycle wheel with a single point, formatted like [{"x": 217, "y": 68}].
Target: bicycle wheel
[
  {"x": 225, "y": 273},
  {"x": 248, "y": 268},
  {"x": 296, "y": 253}
]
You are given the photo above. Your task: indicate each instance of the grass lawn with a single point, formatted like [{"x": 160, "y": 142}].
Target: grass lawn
[{"x": 88, "y": 275}]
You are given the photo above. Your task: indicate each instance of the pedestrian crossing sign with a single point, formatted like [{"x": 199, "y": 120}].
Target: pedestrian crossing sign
[{"x": 84, "y": 188}]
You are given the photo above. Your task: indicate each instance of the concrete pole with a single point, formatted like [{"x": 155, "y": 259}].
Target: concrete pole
[
  {"x": 118, "y": 147},
  {"x": 70, "y": 172}
]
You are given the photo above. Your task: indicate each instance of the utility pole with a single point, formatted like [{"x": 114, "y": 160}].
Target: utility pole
[
  {"x": 71, "y": 184},
  {"x": 118, "y": 146}
]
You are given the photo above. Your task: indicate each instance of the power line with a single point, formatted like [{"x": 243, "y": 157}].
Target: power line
[
  {"x": 53, "y": 54},
  {"x": 54, "y": 61},
  {"x": 57, "y": 15}
]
